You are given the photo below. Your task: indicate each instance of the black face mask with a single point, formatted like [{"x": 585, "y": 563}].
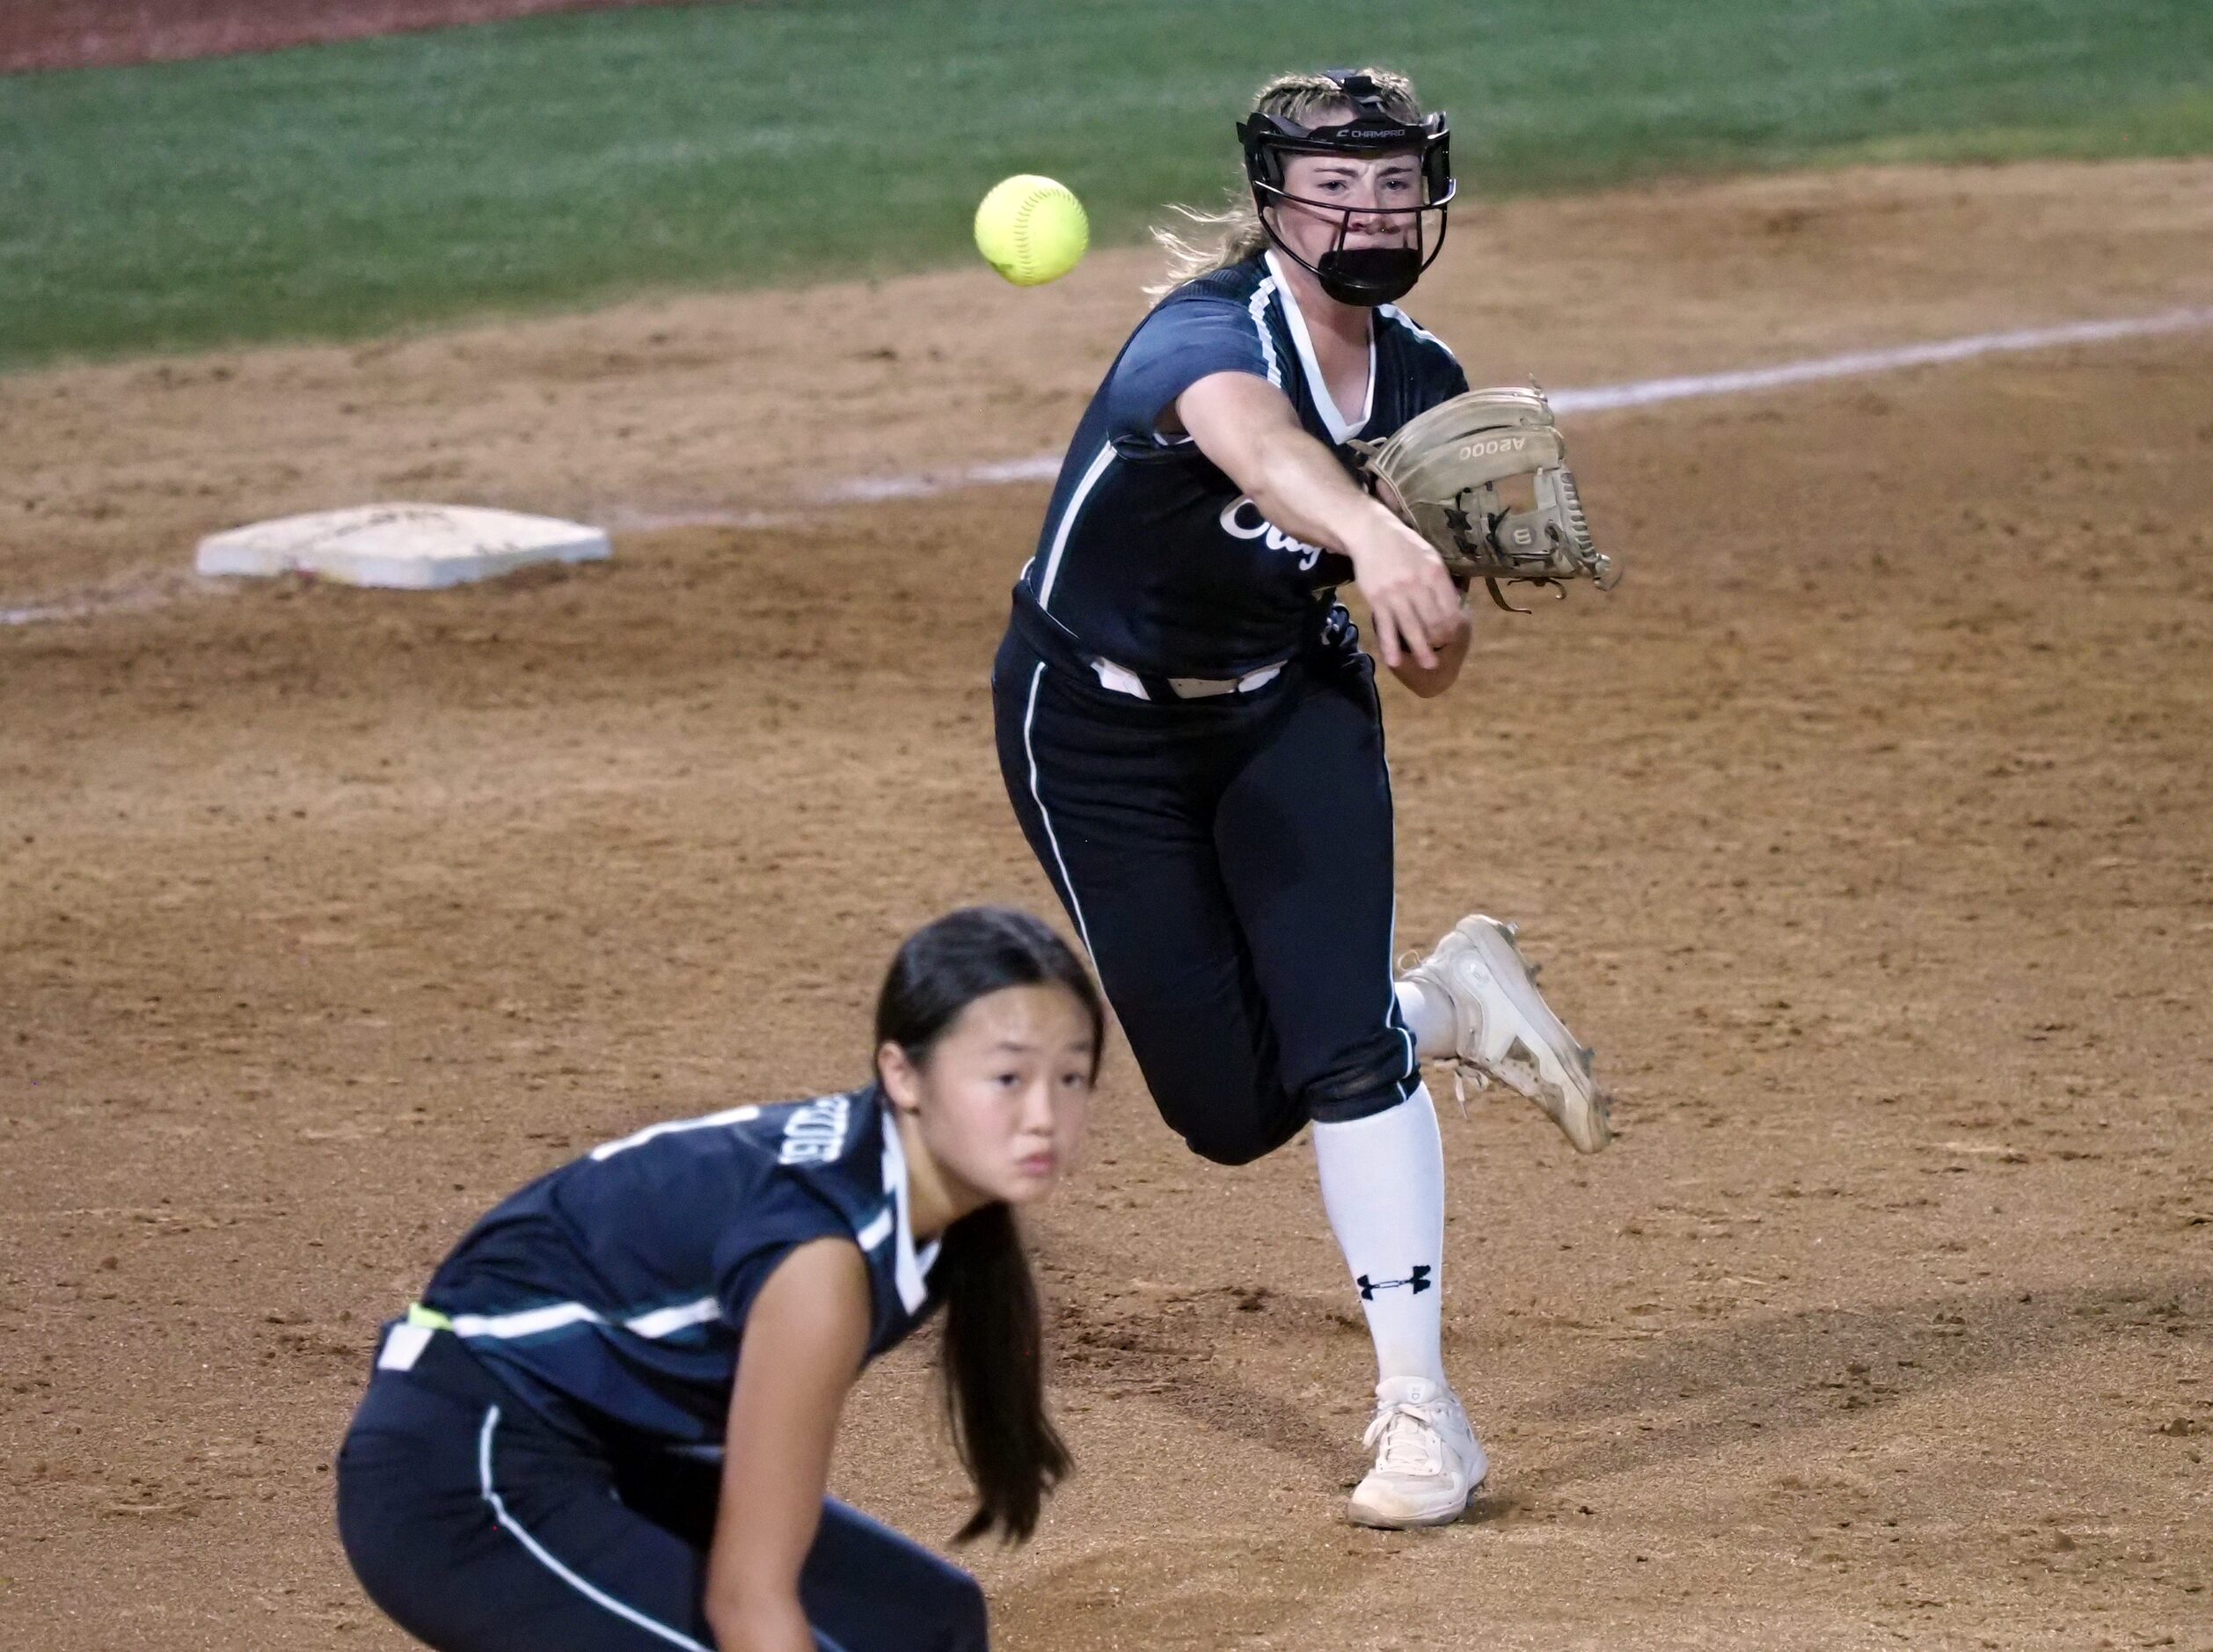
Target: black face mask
[{"x": 1369, "y": 275}]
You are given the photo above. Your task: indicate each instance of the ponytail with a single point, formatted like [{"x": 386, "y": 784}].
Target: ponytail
[
  {"x": 993, "y": 1354},
  {"x": 993, "y": 1349}
]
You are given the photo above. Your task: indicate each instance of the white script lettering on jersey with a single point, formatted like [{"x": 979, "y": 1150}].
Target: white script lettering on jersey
[
  {"x": 815, "y": 1133},
  {"x": 1242, "y": 519}
]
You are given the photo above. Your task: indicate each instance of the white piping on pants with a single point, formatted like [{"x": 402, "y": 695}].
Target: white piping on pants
[
  {"x": 1037, "y": 680},
  {"x": 596, "y": 1595}
]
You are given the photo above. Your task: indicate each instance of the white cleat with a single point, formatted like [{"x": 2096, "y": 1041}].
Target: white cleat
[
  {"x": 1428, "y": 1460},
  {"x": 1506, "y": 1030}
]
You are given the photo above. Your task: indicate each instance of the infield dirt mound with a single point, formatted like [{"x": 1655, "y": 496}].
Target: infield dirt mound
[{"x": 1868, "y": 832}]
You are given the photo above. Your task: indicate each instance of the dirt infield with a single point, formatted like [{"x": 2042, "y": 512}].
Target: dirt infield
[
  {"x": 1867, "y": 831},
  {"x": 93, "y": 33}
]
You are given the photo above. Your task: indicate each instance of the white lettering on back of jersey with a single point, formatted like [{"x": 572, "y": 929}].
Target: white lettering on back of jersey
[
  {"x": 815, "y": 1134},
  {"x": 1241, "y": 519}
]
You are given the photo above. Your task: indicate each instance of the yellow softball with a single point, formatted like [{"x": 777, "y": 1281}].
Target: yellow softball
[{"x": 1032, "y": 229}]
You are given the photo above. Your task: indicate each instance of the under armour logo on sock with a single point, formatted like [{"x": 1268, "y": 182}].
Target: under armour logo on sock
[{"x": 1418, "y": 1281}]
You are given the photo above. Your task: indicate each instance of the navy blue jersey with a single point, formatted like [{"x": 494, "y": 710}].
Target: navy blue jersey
[
  {"x": 1151, "y": 554},
  {"x": 614, "y": 1290}
]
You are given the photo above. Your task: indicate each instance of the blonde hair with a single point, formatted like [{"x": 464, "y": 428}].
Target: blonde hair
[{"x": 1205, "y": 241}]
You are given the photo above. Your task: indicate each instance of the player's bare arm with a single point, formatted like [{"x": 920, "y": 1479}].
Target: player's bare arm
[
  {"x": 1249, "y": 428},
  {"x": 804, "y": 1344}
]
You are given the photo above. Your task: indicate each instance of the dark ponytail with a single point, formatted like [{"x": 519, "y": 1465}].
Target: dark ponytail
[
  {"x": 994, "y": 1364},
  {"x": 993, "y": 1347}
]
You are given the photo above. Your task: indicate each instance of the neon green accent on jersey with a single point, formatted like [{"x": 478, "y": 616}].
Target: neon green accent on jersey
[{"x": 416, "y": 1314}]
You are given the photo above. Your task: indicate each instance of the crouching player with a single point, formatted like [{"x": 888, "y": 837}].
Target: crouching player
[{"x": 607, "y": 1426}]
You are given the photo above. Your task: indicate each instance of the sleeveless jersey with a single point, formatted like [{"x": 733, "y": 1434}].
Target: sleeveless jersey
[
  {"x": 614, "y": 1290},
  {"x": 1151, "y": 555}
]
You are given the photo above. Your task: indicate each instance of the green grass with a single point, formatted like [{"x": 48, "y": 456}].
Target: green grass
[
  {"x": 345, "y": 190},
  {"x": 2182, "y": 125}
]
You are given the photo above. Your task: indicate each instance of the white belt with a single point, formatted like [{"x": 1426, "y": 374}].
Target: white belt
[{"x": 1124, "y": 681}]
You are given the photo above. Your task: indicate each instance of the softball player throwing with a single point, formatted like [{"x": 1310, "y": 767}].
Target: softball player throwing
[
  {"x": 1191, "y": 737},
  {"x": 606, "y": 1426}
]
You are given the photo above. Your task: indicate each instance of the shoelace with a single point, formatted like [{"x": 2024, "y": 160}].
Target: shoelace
[
  {"x": 1462, "y": 1072},
  {"x": 1412, "y": 1443}
]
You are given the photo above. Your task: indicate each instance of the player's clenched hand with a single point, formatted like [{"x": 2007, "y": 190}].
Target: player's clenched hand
[{"x": 1417, "y": 608}]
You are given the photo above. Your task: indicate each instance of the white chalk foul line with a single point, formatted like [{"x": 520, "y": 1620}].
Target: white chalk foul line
[
  {"x": 1044, "y": 467},
  {"x": 133, "y": 593},
  {"x": 869, "y": 490},
  {"x": 1856, "y": 363}
]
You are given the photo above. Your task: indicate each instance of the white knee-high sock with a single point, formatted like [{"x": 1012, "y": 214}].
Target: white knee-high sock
[
  {"x": 1383, "y": 1185},
  {"x": 1429, "y": 1019}
]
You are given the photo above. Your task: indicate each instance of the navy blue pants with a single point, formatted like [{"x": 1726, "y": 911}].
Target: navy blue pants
[
  {"x": 479, "y": 1526},
  {"x": 1228, "y": 862}
]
